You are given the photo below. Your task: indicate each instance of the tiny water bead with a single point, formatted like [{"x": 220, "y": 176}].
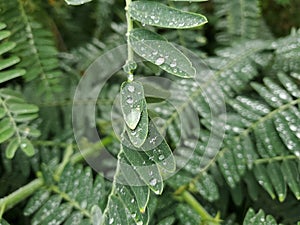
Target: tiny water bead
[{"x": 173, "y": 64}]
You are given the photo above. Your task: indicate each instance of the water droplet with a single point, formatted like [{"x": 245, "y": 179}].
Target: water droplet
[
  {"x": 153, "y": 182},
  {"x": 132, "y": 200},
  {"x": 23, "y": 145},
  {"x": 111, "y": 220},
  {"x": 131, "y": 88},
  {"x": 155, "y": 53},
  {"x": 173, "y": 64},
  {"x": 129, "y": 100},
  {"x": 160, "y": 61},
  {"x": 161, "y": 157},
  {"x": 293, "y": 127},
  {"x": 130, "y": 77}
]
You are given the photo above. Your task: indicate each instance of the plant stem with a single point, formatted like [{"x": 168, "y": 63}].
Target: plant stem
[
  {"x": 129, "y": 49},
  {"x": 205, "y": 216},
  {"x": 19, "y": 195}
]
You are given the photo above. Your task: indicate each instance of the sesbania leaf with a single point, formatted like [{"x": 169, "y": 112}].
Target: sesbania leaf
[
  {"x": 132, "y": 102},
  {"x": 160, "y": 15},
  {"x": 157, "y": 50}
]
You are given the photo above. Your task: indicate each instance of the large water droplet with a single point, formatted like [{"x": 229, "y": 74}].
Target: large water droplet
[
  {"x": 129, "y": 100},
  {"x": 131, "y": 88},
  {"x": 153, "y": 182},
  {"x": 111, "y": 220},
  {"x": 160, "y": 61},
  {"x": 161, "y": 157}
]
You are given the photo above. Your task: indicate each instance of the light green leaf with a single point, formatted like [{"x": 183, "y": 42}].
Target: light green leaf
[
  {"x": 23, "y": 108},
  {"x": 5, "y": 63},
  {"x": 12, "y": 148},
  {"x": 160, "y": 15},
  {"x": 8, "y": 75},
  {"x": 6, "y": 134},
  {"x": 7, "y": 46},
  {"x": 27, "y": 147},
  {"x": 76, "y": 2},
  {"x": 157, "y": 50},
  {"x": 132, "y": 102}
]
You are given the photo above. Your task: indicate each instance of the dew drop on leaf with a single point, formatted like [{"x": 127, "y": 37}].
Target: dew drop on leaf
[
  {"x": 131, "y": 88},
  {"x": 111, "y": 220},
  {"x": 129, "y": 100},
  {"x": 153, "y": 182},
  {"x": 161, "y": 157},
  {"x": 160, "y": 61}
]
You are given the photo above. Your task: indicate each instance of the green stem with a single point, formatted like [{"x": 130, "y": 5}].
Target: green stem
[
  {"x": 205, "y": 216},
  {"x": 129, "y": 49},
  {"x": 276, "y": 158},
  {"x": 19, "y": 195}
]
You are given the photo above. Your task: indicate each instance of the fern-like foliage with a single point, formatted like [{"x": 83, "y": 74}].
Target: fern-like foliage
[
  {"x": 237, "y": 19},
  {"x": 7, "y": 73},
  {"x": 258, "y": 218},
  {"x": 35, "y": 46},
  {"x": 74, "y": 197},
  {"x": 15, "y": 113},
  {"x": 261, "y": 144},
  {"x": 287, "y": 52}
]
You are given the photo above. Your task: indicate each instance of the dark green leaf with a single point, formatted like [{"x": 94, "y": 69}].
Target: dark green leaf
[
  {"x": 157, "y": 14},
  {"x": 157, "y": 50}
]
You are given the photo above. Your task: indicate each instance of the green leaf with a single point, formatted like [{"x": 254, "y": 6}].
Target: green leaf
[
  {"x": 157, "y": 50},
  {"x": 8, "y": 75},
  {"x": 76, "y": 2},
  {"x": 27, "y": 147},
  {"x": 35, "y": 202},
  {"x": 138, "y": 135},
  {"x": 263, "y": 179},
  {"x": 132, "y": 103},
  {"x": 6, "y": 134},
  {"x": 291, "y": 174},
  {"x": 277, "y": 180},
  {"x": 2, "y": 112},
  {"x": 5, "y": 63},
  {"x": 96, "y": 215},
  {"x": 258, "y": 219},
  {"x": 160, "y": 15},
  {"x": 23, "y": 108},
  {"x": 12, "y": 148},
  {"x": 7, "y": 46}
]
